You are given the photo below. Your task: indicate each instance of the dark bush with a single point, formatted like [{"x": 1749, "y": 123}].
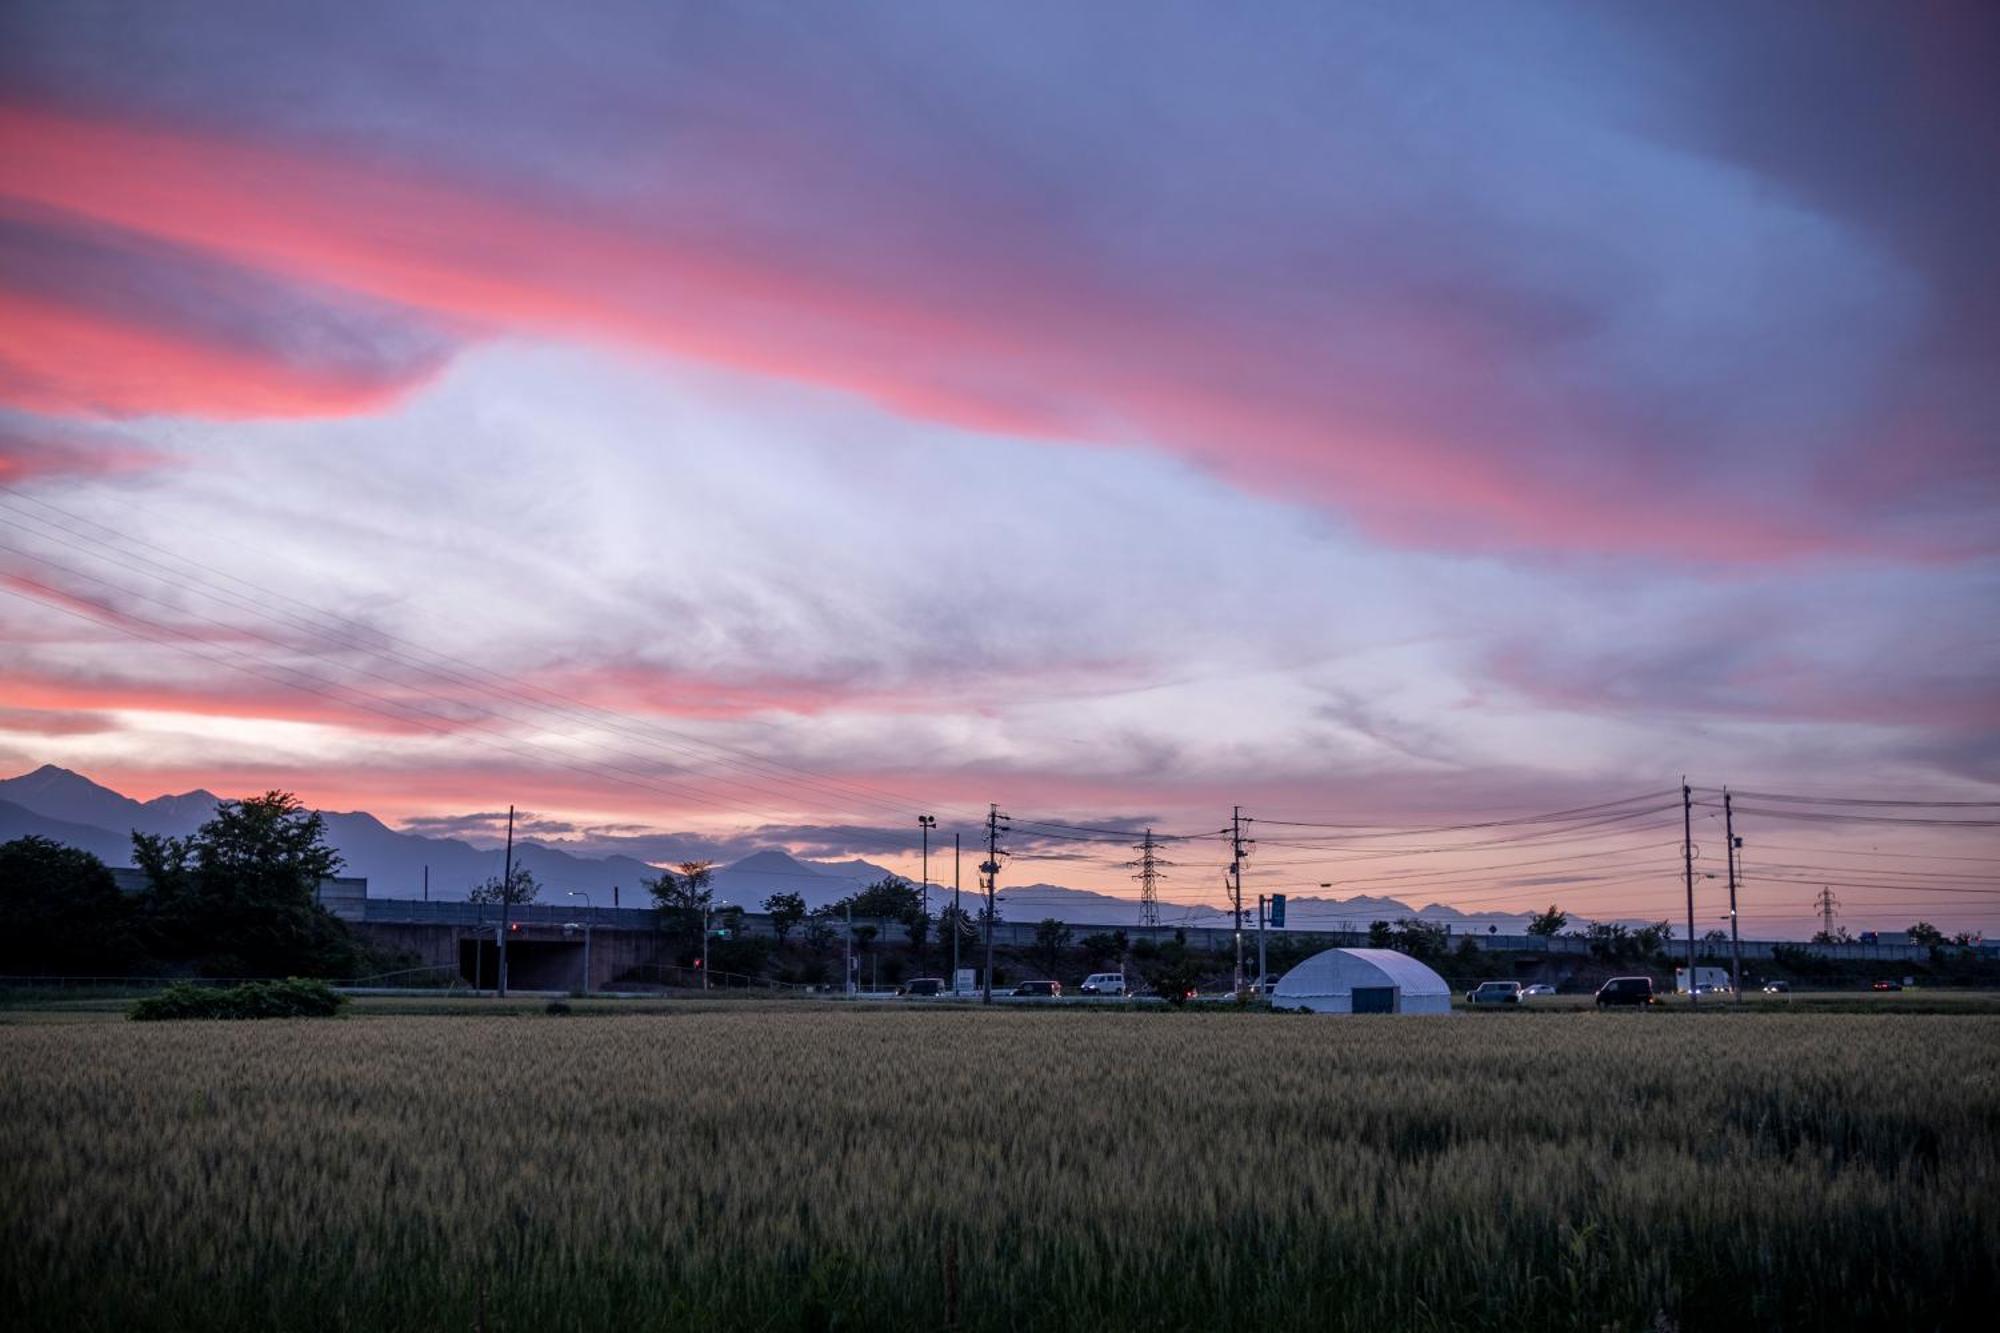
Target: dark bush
[
  {"x": 290, "y": 998},
  {"x": 556, "y": 1008}
]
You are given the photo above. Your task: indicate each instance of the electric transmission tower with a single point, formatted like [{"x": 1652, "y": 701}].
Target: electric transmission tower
[
  {"x": 1826, "y": 905},
  {"x": 1149, "y": 877}
]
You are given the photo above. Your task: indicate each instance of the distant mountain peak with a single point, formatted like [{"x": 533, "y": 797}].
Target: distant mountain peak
[{"x": 772, "y": 861}]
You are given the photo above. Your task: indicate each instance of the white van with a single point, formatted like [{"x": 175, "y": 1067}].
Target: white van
[{"x": 1104, "y": 983}]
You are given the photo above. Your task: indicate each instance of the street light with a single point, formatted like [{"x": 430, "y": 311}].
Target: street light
[
  {"x": 590, "y": 910},
  {"x": 926, "y": 823}
]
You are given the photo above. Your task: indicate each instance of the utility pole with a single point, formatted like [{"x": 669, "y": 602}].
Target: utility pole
[
  {"x": 926, "y": 823},
  {"x": 427, "y": 883},
  {"x": 1236, "y": 855},
  {"x": 990, "y": 870},
  {"x": 850, "y": 946},
  {"x": 1735, "y": 935},
  {"x": 1149, "y": 877},
  {"x": 1687, "y": 867},
  {"x": 506, "y": 905},
  {"x": 957, "y": 914},
  {"x": 1826, "y": 903}
]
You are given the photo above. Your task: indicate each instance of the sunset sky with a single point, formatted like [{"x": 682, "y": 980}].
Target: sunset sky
[{"x": 760, "y": 424}]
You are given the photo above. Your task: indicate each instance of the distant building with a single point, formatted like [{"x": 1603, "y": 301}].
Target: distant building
[
  {"x": 1362, "y": 981},
  {"x": 345, "y": 896}
]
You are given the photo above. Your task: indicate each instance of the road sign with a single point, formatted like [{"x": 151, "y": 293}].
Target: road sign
[{"x": 1277, "y": 917}]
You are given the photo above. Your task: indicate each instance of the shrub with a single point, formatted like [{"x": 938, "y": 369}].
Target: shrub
[
  {"x": 290, "y": 998},
  {"x": 557, "y": 1008}
]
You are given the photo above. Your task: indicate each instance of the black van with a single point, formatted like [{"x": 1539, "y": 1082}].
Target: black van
[{"x": 1625, "y": 990}]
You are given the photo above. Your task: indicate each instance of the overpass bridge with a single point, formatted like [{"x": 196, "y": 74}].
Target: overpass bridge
[{"x": 545, "y": 942}]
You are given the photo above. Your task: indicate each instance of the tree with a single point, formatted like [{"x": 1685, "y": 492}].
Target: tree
[
  {"x": 1104, "y": 946},
  {"x": 891, "y": 898},
  {"x": 60, "y": 911},
  {"x": 787, "y": 910},
  {"x": 240, "y": 895},
  {"x": 820, "y": 935},
  {"x": 1550, "y": 922},
  {"x": 1923, "y": 932},
  {"x": 1051, "y": 938},
  {"x": 682, "y": 902},
  {"x": 521, "y": 887},
  {"x": 956, "y": 920},
  {"x": 1649, "y": 940},
  {"x": 1380, "y": 935},
  {"x": 1712, "y": 942},
  {"x": 1838, "y": 935},
  {"x": 1175, "y": 976},
  {"x": 1418, "y": 939}
]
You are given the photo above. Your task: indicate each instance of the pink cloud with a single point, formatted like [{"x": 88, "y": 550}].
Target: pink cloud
[
  {"x": 29, "y": 454},
  {"x": 1009, "y": 344}
]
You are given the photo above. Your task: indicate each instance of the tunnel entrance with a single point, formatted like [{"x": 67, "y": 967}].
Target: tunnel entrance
[{"x": 531, "y": 964}]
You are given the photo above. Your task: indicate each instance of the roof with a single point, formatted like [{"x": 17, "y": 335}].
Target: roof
[{"x": 1339, "y": 971}]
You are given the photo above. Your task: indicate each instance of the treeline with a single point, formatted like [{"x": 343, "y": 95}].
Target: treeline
[{"x": 237, "y": 898}]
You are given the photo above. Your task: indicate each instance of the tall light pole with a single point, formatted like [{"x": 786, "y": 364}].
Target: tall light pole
[
  {"x": 957, "y": 914},
  {"x": 506, "y": 900},
  {"x": 589, "y": 910},
  {"x": 926, "y": 823}
]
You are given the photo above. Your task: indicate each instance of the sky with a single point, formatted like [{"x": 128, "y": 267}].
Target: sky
[{"x": 761, "y": 424}]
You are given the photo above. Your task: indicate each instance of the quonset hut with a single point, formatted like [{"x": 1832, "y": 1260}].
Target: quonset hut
[{"x": 1362, "y": 981}]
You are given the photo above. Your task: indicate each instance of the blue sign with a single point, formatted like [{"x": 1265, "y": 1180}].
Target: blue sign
[{"x": 1277, "y": 917}]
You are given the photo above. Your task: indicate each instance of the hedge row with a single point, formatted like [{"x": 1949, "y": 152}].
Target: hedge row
[{"x": 291, "y": 998}]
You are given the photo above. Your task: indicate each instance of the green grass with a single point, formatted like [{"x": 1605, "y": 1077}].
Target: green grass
[{"x": 788, "y": 1166}]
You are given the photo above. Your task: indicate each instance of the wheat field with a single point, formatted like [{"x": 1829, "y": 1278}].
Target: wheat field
[{"x": 836, "y": 1168}]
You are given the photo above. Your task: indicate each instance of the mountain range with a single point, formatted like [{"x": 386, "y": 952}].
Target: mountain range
[{"x": 70, "y": 808}]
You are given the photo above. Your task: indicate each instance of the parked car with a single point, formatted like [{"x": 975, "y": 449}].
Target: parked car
[
  {"x": 1494, "y": 992},
  {"x": 1263, "y": 985},
  {"x": 1888, "y": 985},
  {"x": 1777, "y": 987},
  {"x": 1043, "y": 990},
  {"x": 1625, "y": 990},
  {"x": 1104, "y": 983},
  {"x": 1539, "y": 988},
  {"x": 925, "y": 986}
]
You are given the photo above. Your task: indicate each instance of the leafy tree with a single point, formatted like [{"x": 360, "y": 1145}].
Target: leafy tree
[
  {"x": 240, "y": 895},
  {"x": 820, "y": 935},
  {"x": 1104, "y": 946},
  {"x": 892, "y": 898},
  {"x": 1649, "y": 940},
  {"x": 1174, "y": 977},
  {"x": 956, "y": 920},
  {"x": 1712, "y": 943},
  {"x": 1418, "y": 939},
  {"x": 1550, "y": 922},
  {"x": 1838, "y": 935},
  {"x": 60, "y": 911},
  {"x": 1051, "y": 938},
  {"x": 1923, "y": 932},
  {"x": 918, "y": 927},
  {"x": 682, "y": 902},
  {"x": 787, "y": 910},
  {"x": 1380, "y": 935},
  {"x": 521, "y": 887}
]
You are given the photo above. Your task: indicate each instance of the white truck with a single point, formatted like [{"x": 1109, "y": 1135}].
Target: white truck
[{"x": 1707, "y": 980}]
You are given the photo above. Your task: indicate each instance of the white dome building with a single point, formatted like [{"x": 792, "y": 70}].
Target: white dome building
[{"x": 1362, "y": 981}]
